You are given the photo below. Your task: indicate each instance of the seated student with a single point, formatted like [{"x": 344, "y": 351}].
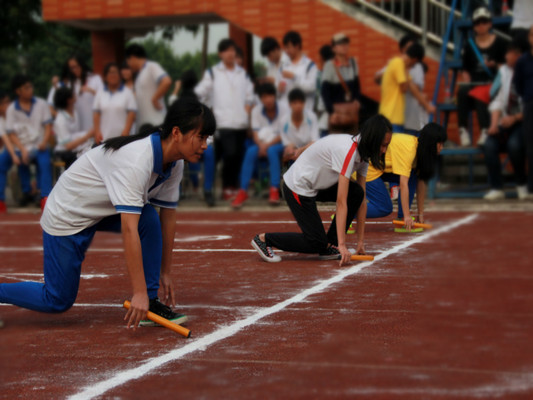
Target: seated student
[
  {"x": 322, "y": 173},
  {"x": 28, "y": 123},
  {"x": 409, "y": 162},
  {"x": 114, "y": 107},
  {"x": 505, "y": 131},
  {"x": 71, "y": 140},
  {"x": 481, "y": 57},
  {"x": 267, "y": 144},
  {"x": 4, "y": 138},
  {"x": 299, "y": 127}
]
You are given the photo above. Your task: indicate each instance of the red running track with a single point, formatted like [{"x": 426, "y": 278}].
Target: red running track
[{"x": 447, "y": 316}]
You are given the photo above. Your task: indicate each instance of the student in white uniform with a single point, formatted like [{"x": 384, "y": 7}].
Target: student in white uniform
[
  {"x": 322, "y": 173},
  {"x": 271, "y": 49},
  {"x": 71, "y": 141},
  {"x": 8, "y": 150},
  {"x": 299, "y": 71},
  {"x": 115, "y": 187},
  {"x": 85, "y": 85},
  {"x": 114, "y": 107},
  {"x": 232, "y": 94},
  {"x": 28, "y": 123},
  {"x": 151, "y": 84}
]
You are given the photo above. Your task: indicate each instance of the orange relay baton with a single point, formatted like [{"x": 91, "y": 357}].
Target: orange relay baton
[
  {"x": 163, "y": 322},
  {"x": 415, "y": 225},
  {"x": 361, "y": 257}
]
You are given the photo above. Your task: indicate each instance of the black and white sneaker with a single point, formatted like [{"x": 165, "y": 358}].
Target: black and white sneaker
[
  {"x": 332, "y": 253},
  {"x": 163, "y": 311},
  {"x": 264, "y": 251}
]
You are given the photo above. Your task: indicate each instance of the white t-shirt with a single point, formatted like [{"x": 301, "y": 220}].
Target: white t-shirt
[
  {"x": 103, "y": 183},
  {"x": 146, "y": 85},
  {"x": 114, "y": 108},
  {"x": 307, "y": 131},
  {"x": 305, "y": 77},
  {"x": 67, "y": 129},
  {"x": 28, "y": 126},
  {"x": 274, "y": 70},
  {"x": 320, "y": 165},
  {"x": 415, "y": 115},
  {"x": 266, "y": 128},
  {"x": 522, "y": 14},
  {"x": 84, "y": 100}
]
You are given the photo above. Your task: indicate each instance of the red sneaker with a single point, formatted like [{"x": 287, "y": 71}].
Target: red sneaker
[
  {"x": 228, "y": 194},
  {"x": 43, "y": 203},
  {"x": 3, "y": 208},
  {"x": 274, "y": 196},
  {"x": 242, "y": 196}
]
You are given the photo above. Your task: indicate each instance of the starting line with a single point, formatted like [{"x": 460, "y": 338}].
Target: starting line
[{"x": 200, "y": 344}]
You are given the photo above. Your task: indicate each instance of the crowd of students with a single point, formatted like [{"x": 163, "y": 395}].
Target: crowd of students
[{"x": 267, "y": 124}]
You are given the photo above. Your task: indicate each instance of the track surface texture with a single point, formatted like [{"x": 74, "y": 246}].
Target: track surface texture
[{"x": 445, "y": 314}]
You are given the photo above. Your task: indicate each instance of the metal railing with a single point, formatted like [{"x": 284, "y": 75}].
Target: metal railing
[{"x": 426, "y": 18}]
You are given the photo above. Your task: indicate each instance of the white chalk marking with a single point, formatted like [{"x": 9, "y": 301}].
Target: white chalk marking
[
  {"x": 199, "y": 238},
  {"x": 200, "y": 344},
  {"x": 40, "y": 275},
  {"x": 20, "y": 249}
]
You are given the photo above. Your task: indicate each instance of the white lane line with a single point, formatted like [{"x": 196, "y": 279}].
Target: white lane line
[
  {"x": 18, "y": 275},
  {"x": 200, "y": 344},
  {"x": 16, "y": 249}
]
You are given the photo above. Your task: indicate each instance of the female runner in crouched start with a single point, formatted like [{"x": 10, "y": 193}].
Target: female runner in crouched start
[
  {"x": 322, "y": 173},
  {"x": 114, "y": 187}
]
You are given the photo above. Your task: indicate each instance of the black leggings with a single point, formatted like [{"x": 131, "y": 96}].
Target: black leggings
[
  {"x": 229, "y": 145},
  {"x": 313, "y": 238},
  {"x": 465, "y": 103}
]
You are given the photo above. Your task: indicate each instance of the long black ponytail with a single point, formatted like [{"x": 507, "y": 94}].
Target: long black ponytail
[
  {"x": 426, "y": 153},
  {"x": 187, "y": 113},
  {"x": 373, "y": 133}
]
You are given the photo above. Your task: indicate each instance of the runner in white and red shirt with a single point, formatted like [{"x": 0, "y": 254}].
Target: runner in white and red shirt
[{"x": 322, "y": 173}]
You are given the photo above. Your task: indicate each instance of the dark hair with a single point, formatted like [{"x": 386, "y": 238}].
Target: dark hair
[
  {"x": 135, "y": 50},
  {"x": 124, "y": 65},
  {"x": 416, "y": 50},
  {"x": 293, "y": 38},
  {"x": 296, "y": 94},
  {"x": 18, "y": 81},
  {"x": 189, "y": 80},
  {"x": 108, "y": 66},
  {"x": 406, "y": 39},
  {"x": 426, "y": 152},
  {"x": 373, "y": 133},
  {"x": 85, "y": 70},
  {"x": 61, "y": 97},
  {"x": 269, "y": 44},
  {"x": 266, "y": 88},
  {"x": 187, "y": 113},
  {"x": 326, "y": 52},
  {"x": 515, "y": 45},
  {"x": 225, "y": 44},
  {"x": 3, "y": 94},
  {"x": 239, "y": 52}
]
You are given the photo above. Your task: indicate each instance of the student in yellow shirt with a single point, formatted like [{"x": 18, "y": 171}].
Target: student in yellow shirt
[{"x": 409, "y": 162}]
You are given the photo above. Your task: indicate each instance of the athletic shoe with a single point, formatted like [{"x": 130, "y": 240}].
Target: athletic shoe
[
  {"x": 273, "y": 198},
  {"x": 229, "y": 194},
  {"x": 394, "y": 191},
  {"x": 242, "y": 196},
  {"x": 494, "y": 194},
  {"x": 351, "y": 230},
  {"x": 333, "y": 253},
  {"x": 3, "y": 207},
  {"x": 43, "y": 203},
  {"x": 464, "y": 137},
  {"x": 521, "y": 192},
  {"x": 209, "y": 199},
  {"x": 404, "y": 230},
  {"x": 163, "y": 311},
  {"x": 482, "y": 138},
  {"x": 264, "y": 251}
]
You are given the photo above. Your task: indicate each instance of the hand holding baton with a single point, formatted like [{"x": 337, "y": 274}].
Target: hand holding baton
[
  {"x": 163, "y": 322},
  {"x": 415, "y": 225}
]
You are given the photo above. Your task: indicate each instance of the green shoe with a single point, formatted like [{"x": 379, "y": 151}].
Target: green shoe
[{"x": 403, "y": 230}]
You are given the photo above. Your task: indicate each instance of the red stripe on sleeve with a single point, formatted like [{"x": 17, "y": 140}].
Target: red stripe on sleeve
[{"x": 348, "y": 158}]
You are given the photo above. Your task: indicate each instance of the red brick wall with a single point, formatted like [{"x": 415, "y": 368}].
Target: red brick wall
[{"x": 107, "y": 46}]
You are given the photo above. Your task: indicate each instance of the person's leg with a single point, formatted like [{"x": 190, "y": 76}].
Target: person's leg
[
  {"x": 411, "y": 186},
  {"x": 492, "y": 160},
  {"x": 274, "y": 154},
  {"x": 483, "y": 114},
  {"x": 355, "y": 198},
  {"x": 379, "y": 203},
  {"x": 464, "y": 105},
  {"x": 25, "y": 179},
  {"x": 527, "y": 133},
  {"x": 5, "y": 165},
  {"x": 63, "y": 256},
  {"x": 248, "y": 166},
  {"x": 44, "y": 170},
  {"x": 209, "y": 168},
  {"x": 515, "y": 150},
  {"x": 313, "y": 238}
]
